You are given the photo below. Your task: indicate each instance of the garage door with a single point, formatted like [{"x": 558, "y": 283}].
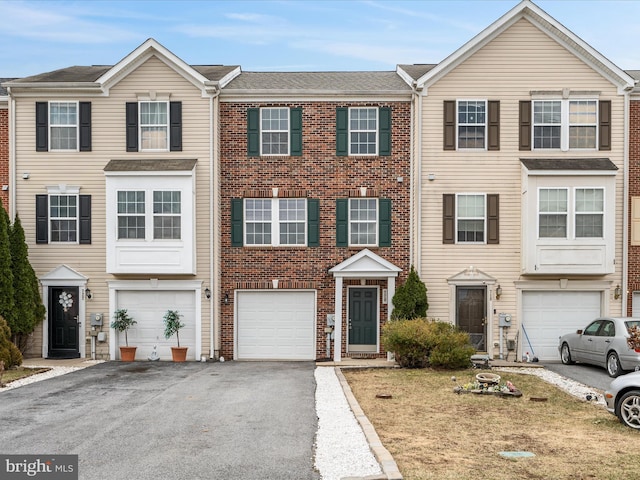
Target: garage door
[
  {"x": 275, "y": 326},
  {"x": 549, "y": 315},
  {"x": 148, "y": 309}
]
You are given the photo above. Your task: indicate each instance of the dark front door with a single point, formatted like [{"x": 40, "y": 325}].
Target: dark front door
[
  {"x": 63, "y": 322},
  {"x": 363, "y": 319},
  {"x": 471, "y": 314}
]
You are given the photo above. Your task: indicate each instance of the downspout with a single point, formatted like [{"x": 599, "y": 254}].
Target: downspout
[
  {"x": 417, "y": 196},
  {"x": 213, "y": 225},
  {"x": 12, "y": 155},
  {"x": 625, "y": 208}
]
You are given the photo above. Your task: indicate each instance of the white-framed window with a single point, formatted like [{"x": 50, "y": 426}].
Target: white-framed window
[
  {"x": 166, "y": 215},
  {"x": 274, "y": 131},
  {"x": 154, "y": 125},
  {"x": 472, "y": 124},
  {"x": 363, "y": 221},
  {"x": 63, "y": 218},
  {"x": 471, "y": 221},
  {"x": 559, "y": 217},
  {"x": 275, "y": 221},
  {"x": 565, "y": 124},
  {"x": 363, "y": 131},
  {"x": 136, "y": 215},
  {"x": 131, "y": 214},
  {"x": 63, "y": 126}
]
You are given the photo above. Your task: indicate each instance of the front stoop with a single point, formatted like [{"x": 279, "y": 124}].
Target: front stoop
[{"x": 389, "y": 467}]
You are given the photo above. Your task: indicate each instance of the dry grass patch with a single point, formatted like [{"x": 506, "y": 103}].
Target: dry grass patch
[
  {"x": 434, "y": 433},
  {"x": 17, "y": 373}
]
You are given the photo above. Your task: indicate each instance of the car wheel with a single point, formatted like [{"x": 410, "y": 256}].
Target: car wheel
[
  {"x": 565, "y": 355},
  {"x": 613, "y": 365},
  {"x": 628, "y": 409}
]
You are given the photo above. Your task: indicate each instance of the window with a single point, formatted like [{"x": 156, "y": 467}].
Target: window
[
  {"x": 363, "y": 131},
  {"x": 470, "y": 218},
  {"x": 132, "y": 214},
  {"x": 471, "y": 124},
  {"x": 363, "y": 221},
  {"x": 154, "y": 126},
  {"x": 565, "y": 124},
  {"x": 275, "y": 221},
  {"x": 63, "y": 216},
  {"x": 274, "y": 130},
  {"x": 63, "y": 124},
  {"x": 554, "y": 212}
]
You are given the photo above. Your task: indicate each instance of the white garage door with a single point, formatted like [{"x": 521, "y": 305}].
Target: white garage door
[
  {"x": 148, "y": 309},
  {"x": 275, "y": 325},
  {"x": 549, "y": 315}
]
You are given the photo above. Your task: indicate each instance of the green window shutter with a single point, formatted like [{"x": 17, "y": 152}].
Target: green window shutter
[
  {"x": 493, "y": 218},
  {"x": 253, "y": 132},
  {"x": 342, "y": 222},
  {"x": 604, "y": 127},
  {"x": 448, "y": 218},
  {"x": 236, "y": 222},
  {"x": 449, "y": 125},
  {"x": 342, "y": 131},
  {"x": 296, "y": 131},
  {"x": 384, "y": 145},
  {"x": 313, "y": 222},
  {"x": 493, "y": 125},
  {"x": 525, "y": 125},
  {"x": 384, "y": 222}
]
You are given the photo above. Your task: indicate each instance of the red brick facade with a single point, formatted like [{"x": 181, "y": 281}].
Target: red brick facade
[
  {"x": 633, "y": 277},
  {"x": 4, "y": 156},
  {"x": 318, "y": 174}
]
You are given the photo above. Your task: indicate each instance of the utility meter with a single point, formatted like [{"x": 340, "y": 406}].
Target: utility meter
[{"x": 504, "y": 320}]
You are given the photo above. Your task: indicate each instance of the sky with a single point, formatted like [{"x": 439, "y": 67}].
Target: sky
[{"x": 285, "y": 35}]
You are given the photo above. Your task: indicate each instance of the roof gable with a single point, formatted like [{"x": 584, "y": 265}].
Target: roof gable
[
  {"x": 365, "y": 263},
  {"x": 527, "y": 10}
]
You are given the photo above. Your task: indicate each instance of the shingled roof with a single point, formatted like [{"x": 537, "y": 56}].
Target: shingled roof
[
  {"x": 3, "y": 90},
  {"x": 417, "y": 70},
  {"x": 318, "y": 81}
]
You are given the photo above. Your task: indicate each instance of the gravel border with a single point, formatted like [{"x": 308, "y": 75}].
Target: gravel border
[{"x": 52, "y": 372}]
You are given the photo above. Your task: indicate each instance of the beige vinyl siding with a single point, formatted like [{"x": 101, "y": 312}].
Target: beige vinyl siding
[
  {"x": 85, "y": 169},
  {"x": 522, "y": 59}
]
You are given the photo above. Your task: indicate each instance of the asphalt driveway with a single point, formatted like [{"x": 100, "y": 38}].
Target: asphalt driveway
[
  {"x": 167, "y": 421},
  {"x": 589, "y": 375}
]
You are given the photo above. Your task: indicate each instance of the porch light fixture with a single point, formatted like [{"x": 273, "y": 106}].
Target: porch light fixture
[
  {"x": 498, "y": 292},
  {"x": 87, "y": 292},
  {"x": 226, "y": 299},
  {"x": 617, "y": 293},
  {"x": 207, "y": 293}
]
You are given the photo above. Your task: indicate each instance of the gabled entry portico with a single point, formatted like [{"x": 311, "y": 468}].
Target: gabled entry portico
[{"x": 364, "y": 265}]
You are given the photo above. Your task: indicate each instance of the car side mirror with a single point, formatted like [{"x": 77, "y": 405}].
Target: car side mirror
[{"x": 579, "y": 332}]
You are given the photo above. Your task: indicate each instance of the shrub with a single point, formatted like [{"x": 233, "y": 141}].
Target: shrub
[
  {"x": 9, "y": 353},
  {"x": 410, "y": 299},
  {"x": 421, "y": 342}
]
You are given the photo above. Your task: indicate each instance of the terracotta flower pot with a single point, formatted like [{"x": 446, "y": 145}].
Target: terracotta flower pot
[
  {"x": 179, "y": 354},
  {"x": 128, "y": 354}
]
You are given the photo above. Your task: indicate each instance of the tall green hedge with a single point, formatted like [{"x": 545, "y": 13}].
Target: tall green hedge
[
  {"x": 410, "y": 299},
  {"x": 7, "y": 297}
]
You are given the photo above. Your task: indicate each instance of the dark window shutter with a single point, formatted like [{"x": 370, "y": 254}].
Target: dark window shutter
[
  {"x": 384, "y": 222},
  {"x": 236, "y": 222},
  {"x": 384, "y": 135},
  {"x": 132, "y": 126},
  {"x": 313, "y": 222},
  {"x": 253, "y": 132},
  {"x": 494, "y": 125},
  {"x": 175, "y": 125},
  {"x": 448, "y": 218},
  {"x": 604, "y": 110},
  {"x": 449, "y": 122},
  {"x": 85, "y": 126},
  {"x": 493, "y": 218},
  {"x": 295, "y": 115},
  {"x": 42, "y": 126},
  {"x": 342, "y": 131},
  {"x": 342, "y": 222},
  {"x": 42, "y": 219},
  {"x": 525, "y": 125},
  {"x": 85, "y": 219}
]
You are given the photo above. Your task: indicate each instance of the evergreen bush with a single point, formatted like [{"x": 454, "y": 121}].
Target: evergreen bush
[
  {"x": 7, "y": 302},
  {"x": 9, "y": 353},
  {"x": 410, "y": 299}
]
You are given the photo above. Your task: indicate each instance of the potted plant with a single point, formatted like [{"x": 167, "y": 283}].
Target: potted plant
[
  {"x": 172, "y": 324},
  {"x": 121, "y": 323}
]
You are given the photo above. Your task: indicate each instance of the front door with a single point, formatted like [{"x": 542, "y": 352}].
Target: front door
[
  {"x": 363, "y": 319},
  {"x": 471, "y": 314},
  {"x": 63, "y": 322}
]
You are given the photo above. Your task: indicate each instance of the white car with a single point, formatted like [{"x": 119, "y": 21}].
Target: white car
[{"x": 623, "y": 399}]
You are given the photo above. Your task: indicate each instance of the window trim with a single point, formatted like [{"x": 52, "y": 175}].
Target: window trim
[
  {"x": 149, "y": 215},
  {"x": 350, "y": 222},
  {"x": 485, "y": 124},
  {"x": 51, "y": 126},
  {"x": 275, "y": 223},
  {"x": 377, "y": 131},
  {"x": 572, "y": 212},
  {"x": 484, "y": 218},
  {"x": 565, "y": 125},
  {"x": 141, "y": 125},
  {"x": 288, "y": 132}
]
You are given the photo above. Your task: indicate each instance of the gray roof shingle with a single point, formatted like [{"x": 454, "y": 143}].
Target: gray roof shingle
[
  {"x": 3, "y": 90},
  {"x": 417, "y": 70}
]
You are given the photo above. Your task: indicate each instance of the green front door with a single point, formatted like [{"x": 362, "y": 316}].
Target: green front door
[{"x": 363, "y": 319}]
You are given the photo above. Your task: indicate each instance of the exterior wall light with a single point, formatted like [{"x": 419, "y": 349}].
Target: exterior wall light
[
  {"x": 207, "y": 293},
  {"x": 498, "y": 292},
  {"x": 617, "y": 293}
]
